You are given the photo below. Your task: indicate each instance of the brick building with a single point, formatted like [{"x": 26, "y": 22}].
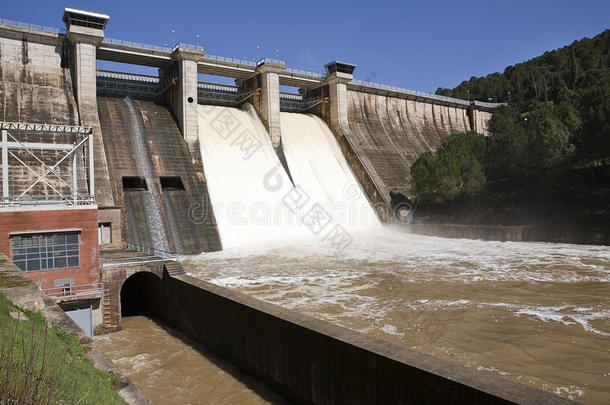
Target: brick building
[{"x": 48, "y": 215}]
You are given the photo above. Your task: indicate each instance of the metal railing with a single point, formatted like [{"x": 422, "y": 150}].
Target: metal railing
[
  {"x": 137, "y": 45},
  {"x": 45, "y": 28},
  {"x": 230, "y": 60},
  {"x": 291, "y": 96},
  {"x": 217, "y": 87},
  {"x": 410, "y": 92},
  {"x": 107, "y": 74},
  {"x": 271, "y": 60},
  {"x": 485, "y": 104},
  {"x": 40, "y": 200},
  {"x": 73, "y": 289},
  {"x": 131, "y": 261},
  {"x": 187, "y": 46},
  {"x": 304, "y": 72},
  {"x": 152, "y": 251}
]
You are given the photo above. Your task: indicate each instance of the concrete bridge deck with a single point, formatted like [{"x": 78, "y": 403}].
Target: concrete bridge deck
[{"x": 136, "y": 53}]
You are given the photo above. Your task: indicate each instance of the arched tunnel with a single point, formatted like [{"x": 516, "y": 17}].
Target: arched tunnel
[{"x": 141, "y": 293}]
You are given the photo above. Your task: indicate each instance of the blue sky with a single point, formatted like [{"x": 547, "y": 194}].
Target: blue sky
[{"x": 419, "y": 45}]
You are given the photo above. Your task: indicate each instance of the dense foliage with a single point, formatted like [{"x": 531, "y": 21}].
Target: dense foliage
[{"x": 548, "y": 157}]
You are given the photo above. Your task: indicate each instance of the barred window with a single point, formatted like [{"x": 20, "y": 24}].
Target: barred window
[{"x": 45, "y": 251}]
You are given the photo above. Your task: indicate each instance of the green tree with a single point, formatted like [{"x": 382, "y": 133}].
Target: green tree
[{"x": 457, "y": 168}]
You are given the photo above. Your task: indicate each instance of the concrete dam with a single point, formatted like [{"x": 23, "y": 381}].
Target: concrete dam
[{"x": 172, "y": 174}]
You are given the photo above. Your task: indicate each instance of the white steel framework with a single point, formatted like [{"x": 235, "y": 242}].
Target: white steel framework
[{"x": 11, "y": 142}]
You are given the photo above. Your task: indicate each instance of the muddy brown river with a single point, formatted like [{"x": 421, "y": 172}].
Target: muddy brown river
[
  {"x": 169, "y": 369},
  {"x": 538, "y": 313}
]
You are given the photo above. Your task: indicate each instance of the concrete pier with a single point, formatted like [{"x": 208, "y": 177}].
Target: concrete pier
[
  {"x": 184, "y": 96},
  {"x": 338, "y": 75},
  {"x": 269, "y": 98},
  {"x": 85, "y": 32}
]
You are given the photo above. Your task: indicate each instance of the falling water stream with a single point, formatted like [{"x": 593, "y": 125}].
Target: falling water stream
[{"x": 152, "y": 205}]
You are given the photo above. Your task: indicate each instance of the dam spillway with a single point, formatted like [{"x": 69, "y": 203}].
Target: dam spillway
[
  {"x": 393, "y": 132},
  {"x": 250, "y": 190},
  {"x": 246, "y": 180},
  {"x": 166, "y": 156},
  {"x": 318, "y": 166}
]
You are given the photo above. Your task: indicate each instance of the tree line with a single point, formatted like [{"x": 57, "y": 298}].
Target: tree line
[{"x": 547, "y": 159}]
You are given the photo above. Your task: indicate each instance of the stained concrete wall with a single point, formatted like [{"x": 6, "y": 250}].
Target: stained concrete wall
[
  {"x": 391, "y": 133},
  {"x": 187, "y": 214},
  {"x": 312, "y": 361},
  {"x": 512, "y": 233},
  {"x": 36, "y": 86},
  {"x": 35, "y": 79},
  {"x": 480, "y": 121}
]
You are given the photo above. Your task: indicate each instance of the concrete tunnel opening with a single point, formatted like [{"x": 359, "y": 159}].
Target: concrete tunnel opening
[{"x": 140, "y": 293}]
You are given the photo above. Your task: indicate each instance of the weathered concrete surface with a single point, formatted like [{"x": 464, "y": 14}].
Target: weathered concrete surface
[
  {"x": 28, "y": 296},
  {"x": 333, "y": 110},
  {"x": 312, "y": 361},
  {"x": 183, "y": 95},
  {"x": 35, "y": 79},
  {"x": 36, "y": 86},
  {"x": 391, "y": 133},
  {"x": 114, "y": 276},
  {"x": 524, "y": 233},
  {"x": 480, "y": 121},
  {"x": 186, "y": 213},
  {"x": 483, "y": 232},
  {"x": 84, "y": 42}
]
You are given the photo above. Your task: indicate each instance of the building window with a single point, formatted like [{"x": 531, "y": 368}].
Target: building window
[
  {"x": 104, "y": 233},
  {"x": 45, "y": 251}
]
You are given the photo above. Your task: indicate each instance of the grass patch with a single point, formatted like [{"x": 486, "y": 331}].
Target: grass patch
[
  {"x": 13, "y": 283},
  {"x": 46, "y": 365}
]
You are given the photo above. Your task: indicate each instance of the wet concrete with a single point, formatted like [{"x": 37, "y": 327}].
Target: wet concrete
[{"x": 185, "y": 216}]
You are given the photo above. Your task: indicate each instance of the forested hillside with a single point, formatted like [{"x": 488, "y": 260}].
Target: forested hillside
[{"x": 548, "y": 157}]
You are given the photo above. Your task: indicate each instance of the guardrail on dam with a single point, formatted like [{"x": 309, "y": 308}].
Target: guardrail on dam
[{"x": 312, "y": 361}]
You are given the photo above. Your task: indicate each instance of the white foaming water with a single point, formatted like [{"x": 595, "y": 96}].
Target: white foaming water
[
  {"x": 318, "y": 166},
  {"x": 246, "y": 181},
  {"x": 254, "y": 200},
  {"x": 535, "y": 312}
]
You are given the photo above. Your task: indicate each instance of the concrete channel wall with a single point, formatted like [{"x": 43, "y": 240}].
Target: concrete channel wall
[
  {"x": 313, "y": 362},
  {"x": 512, "y": 233}
]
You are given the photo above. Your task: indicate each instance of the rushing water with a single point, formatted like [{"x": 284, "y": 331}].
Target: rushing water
[
  {"x": 170, "y": 370},
  {"x": 152, "y": 205},
  {"x": 538, "y": 313}
]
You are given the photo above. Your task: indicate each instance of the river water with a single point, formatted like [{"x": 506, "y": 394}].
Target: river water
[
  {"x": 170, "y": 369},
  {"x": 538, "y": 313}
]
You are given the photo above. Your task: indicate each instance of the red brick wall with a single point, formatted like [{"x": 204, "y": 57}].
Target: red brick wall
[{"x": 51, "y": 220}]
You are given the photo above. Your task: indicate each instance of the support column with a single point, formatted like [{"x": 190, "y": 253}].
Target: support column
[
  {"x": 338, "y": 75},
  {"x": 269, "y": 106},
  {"x": 85, "y": 33},
  {"x": 74, "y": 177},
  {"x": 4, "y": 164},
  {"x": 185, "y": 94},
  {"x": 91, "y": 166}
]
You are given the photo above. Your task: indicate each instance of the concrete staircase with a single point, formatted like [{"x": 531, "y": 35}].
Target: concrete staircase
[{"x": 173, "y": 268}]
